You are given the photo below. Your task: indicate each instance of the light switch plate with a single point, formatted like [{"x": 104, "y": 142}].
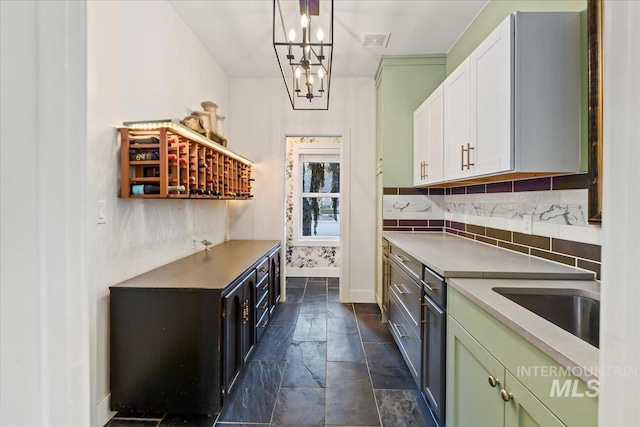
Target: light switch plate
[
  {"x": 102, "y": 212},
  {"x": 527, "y": 227}
]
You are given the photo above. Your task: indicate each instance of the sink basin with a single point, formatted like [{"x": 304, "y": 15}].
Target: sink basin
[{"x": 576, "y": 311}]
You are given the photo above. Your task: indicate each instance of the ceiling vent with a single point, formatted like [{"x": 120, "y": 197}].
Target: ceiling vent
[{"x": 375, "y": 40}]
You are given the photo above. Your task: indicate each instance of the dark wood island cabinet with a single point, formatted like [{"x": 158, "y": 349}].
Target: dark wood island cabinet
[{"x": 180, "y": 334}]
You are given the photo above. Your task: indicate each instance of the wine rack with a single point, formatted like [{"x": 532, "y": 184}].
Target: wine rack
[{"x": 168, "y": 160}]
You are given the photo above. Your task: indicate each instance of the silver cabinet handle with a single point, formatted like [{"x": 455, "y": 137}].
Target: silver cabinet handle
[
  {"x": 401, "y": 259},
  {"x": 462, "y": 157},
  {"x": 398, "y": 329},
  {"x": 505, "y": 395},
  {"x": 427, "y": 286},
  {"x": 469, "y": 148},
  {"x": 493, "y": 381},
  {"x": 399, "y": 290}
]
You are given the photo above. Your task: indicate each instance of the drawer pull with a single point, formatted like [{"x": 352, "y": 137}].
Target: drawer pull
[
  {"x": 398, "y": 329},
  {"x": 264, "y": 324},
  {"x": 427, "y": 286},
  {"x": 265, "y": 305},
  {"x": 263, "y": 269},
  {"x": 505, "y": 395},
  {"x": 400, "y": 291},
  {"x": 401, "y": 258},
  {"x": 493, "y": 381},
  {"x": 266, "y": 285}
]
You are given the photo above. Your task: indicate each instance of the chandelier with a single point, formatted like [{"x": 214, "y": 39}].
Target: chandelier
[{"x": 303, "y": 41}]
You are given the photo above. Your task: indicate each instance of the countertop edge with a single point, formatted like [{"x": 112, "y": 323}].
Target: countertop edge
[
  {"x": 130, "y": 282},
  {"x": 585, "y": 367},
  {"x": 577, "y": 274}
]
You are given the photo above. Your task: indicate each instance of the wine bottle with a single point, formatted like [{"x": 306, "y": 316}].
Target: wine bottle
[
  {"x": 140, "y": 155},
  {"x": 143, "y": 139},
  {"x": 138, "y": 189}
]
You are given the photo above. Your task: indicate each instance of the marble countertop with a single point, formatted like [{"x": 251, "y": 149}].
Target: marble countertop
[
  {"x": 205, "y": 270},
  {"x": 453, "y": 256},
  {"x": 562, "y": 346}
]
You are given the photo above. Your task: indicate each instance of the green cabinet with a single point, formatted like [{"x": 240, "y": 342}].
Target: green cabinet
[
  {"x": 483, "y": 392},
  {"x": 497, "y": 378},
  {"x": 402, "y": 84}
]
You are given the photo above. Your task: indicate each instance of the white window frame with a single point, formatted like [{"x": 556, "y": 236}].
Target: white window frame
[{"x": 319, "y": 149}]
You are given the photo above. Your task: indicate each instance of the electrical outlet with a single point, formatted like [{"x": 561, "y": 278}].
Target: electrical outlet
[{"x": 527, "y": 227}]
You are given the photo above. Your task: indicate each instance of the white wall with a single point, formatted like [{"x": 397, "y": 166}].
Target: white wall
[
  {"x": 144, "y": 63},
  {"x": 620, "y": 319},
  {"x": 260, "y": 114},
  {"x": 44, "y": 298}
]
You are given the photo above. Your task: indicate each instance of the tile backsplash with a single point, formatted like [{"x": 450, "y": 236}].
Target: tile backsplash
[{"x": 493, "y": 213}]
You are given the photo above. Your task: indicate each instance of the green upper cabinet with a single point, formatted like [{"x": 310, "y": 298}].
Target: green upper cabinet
[{"x": 402, "y": 85}]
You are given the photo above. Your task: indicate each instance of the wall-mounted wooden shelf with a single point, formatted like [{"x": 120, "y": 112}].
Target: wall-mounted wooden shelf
[{"x": 172, "y": 161}]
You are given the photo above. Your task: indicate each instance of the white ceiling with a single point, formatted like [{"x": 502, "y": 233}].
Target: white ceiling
[{"x": 238, "y": 33}]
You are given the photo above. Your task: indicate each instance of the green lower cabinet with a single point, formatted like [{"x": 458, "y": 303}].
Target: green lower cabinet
[
  {"x": 524, "y": 409},
  {"x": 471, "y": 401},
  {"x": 481, "y": 351},
  {"x": 477, "y": 386}
]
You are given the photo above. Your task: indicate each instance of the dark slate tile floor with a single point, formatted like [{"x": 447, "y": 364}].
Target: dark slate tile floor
[{"x": 319, "y": 363}]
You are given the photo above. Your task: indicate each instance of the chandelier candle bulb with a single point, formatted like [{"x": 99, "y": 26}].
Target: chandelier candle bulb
[{"x": 296, "y": 55}]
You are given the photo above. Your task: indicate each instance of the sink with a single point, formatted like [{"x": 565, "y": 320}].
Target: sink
[{"x": 574, "y": 310}]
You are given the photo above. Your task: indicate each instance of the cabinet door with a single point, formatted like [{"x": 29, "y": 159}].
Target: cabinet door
[
  {"x": 232, "y": 335},
  {"x": 433, "y": 356},
  {"x": 434, "y": 168},
  {"x": 249, "y": 321},
  {"x": 274, "y": 277},
  {"x": 524, "y": 409},
  {"x": 491, "y": 95},
  {"x": 420, "y": 135},
  {"x": 457, "y": 117},
  {"x": 386, "y": 280},
  {"x": 471, "y": 401}
]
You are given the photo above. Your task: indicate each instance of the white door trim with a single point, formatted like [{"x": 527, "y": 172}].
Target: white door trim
[{"x": 345, "y": 183}]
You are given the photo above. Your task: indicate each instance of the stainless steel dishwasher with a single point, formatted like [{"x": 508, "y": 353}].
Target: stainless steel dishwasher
[{"x": 433, "y": 332}]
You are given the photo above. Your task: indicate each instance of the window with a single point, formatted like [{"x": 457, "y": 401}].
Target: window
[{"x": 316, "y": 199}]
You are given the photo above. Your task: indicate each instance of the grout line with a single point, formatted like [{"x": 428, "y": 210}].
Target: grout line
[
  {"x": 326, "y": 353},
  {"x": 366, "y": 362}
]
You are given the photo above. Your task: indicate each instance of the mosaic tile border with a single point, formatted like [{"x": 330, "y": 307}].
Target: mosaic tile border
[{"x": 560, "y": 182}]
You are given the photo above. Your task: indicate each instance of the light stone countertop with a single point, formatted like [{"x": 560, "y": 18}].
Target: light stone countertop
[
  {"x": 563, "y": 347},
  {"x": 205, "y": 270},
  {"x": 453, "y": 256}
]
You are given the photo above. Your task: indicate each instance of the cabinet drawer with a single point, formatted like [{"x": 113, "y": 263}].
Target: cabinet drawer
[
  {"x": 434, "y": 286},
  {"x": 407, "y": 292},
  {"x": 262, "y": 288},
  {"x": 263, "y": 320},
  {"x": 412, "y": 266},
  {"x": 405, "y": 336},
  {"x": 262, "y": 269}
]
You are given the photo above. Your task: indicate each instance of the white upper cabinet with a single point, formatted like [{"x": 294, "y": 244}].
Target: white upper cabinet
[
  {"x": 457, "y": 122},
  {"x": 522, "y": 109},
  {"x": 428, "y": 140},
  {"x": 491, "y": 148}
]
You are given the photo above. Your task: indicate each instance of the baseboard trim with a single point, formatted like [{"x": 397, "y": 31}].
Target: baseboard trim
[
  {"x": 104, "y": 412},
  {"x": 312, "y": 272},
  {"x": 357, "y": 296}
]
